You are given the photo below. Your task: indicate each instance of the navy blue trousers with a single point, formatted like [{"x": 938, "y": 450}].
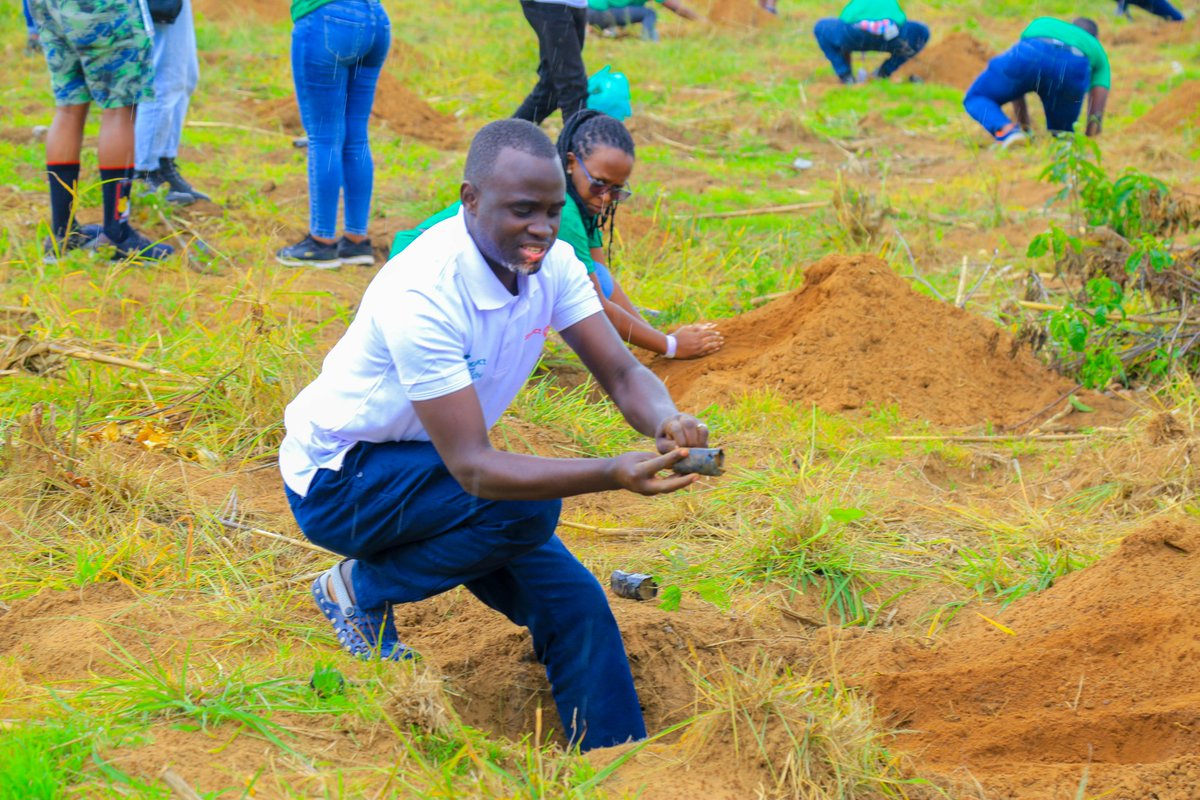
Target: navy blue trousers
[
  {"x": 1060, "y": 77},
  {"x": 1159, "y": 8},
  {"x": 838, "y": 40},
  {"x": 413, "y": 532}
]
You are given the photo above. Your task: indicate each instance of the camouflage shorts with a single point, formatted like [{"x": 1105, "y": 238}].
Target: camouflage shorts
[{"x": 97, "y": 50}]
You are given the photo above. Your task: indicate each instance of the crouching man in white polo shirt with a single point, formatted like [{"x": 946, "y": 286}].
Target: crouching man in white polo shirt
[{"x": 387, "y": 460}]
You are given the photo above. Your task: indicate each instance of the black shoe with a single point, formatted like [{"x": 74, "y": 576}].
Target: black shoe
[
  {"x": 137, "y": 247},
  {"x": 361, "y": 253},
  {"x": 154, "y": 180},
  {"x": 170, "y": 173},
  {"x": 81, "y": 237},
  {"x": 308, "y": 252}
]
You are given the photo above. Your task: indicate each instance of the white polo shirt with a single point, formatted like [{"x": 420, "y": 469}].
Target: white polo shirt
[{"x": 434, "y": 320}]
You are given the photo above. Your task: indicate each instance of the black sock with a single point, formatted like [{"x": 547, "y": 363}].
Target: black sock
[
  {"x": 64, "y": 179},
  {"x": 115, "y": 183}
]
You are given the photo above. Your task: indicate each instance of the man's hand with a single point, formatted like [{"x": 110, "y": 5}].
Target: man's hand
[
  {"x": 638, "y": 472},
  {"x": 681, "y": 430},
  {"x": 694, "y": 341}
]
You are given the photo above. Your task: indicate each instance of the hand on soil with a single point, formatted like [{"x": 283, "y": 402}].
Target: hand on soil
[
  {"x": 681, "y": 430},
  {"x": 638, "y": 472},
  {"x": 695, "y": 341}
]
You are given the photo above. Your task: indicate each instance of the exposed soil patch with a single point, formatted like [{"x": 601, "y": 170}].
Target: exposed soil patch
[
  {"x": 857, "y": 335},
  {"x": 1148, "y": 30},
  {"x": 1099, "y": 671},
  {"x": 1179, "y": 108},
  {"x": 955, "y": 61},
  {"x": 400, "y": 110},
  {"x": 740, "y": 13}
]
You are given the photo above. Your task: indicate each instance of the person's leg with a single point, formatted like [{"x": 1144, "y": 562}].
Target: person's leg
[
  {"x": 542, "y": 99},
  {"x": 358, "y": 169},
  {"x": 1062, "y": 86},
  {"x": 570, "y": 76},
  {"x": 831, "y": 38},
  {"x": 649, "y": 20},
  {"x": 324, "y": 44},
  {"x": 911, "y": 40},
  {"x": 411, "y": 529},
  {"x": 575, "y": 635},
  {"x": 995, "y": 87},
  {"x": 1160, "y": 8}
]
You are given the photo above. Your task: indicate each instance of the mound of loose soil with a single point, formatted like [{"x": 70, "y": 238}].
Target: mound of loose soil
[
  {"x": 955, "y": 61},
  {"x": 1180, "y": 107},
  {"x": 856, "y": 335},
  {"x": 396, "y": 106},
  {"x": 1099, "y": 677},
  {"x": 741, "y": 13}
]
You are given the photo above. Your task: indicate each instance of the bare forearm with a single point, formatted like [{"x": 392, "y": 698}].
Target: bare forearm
[
  {"x": 1021, "y": 110},
  {"x": 643, "y": 399},
  {"x": 633, "y": 329},
  {"x": 498, "y": 475}
]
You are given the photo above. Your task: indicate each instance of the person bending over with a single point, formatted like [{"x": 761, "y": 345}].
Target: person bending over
[
  {"x": 597, "y": 156},
  {"x": 607, "y": 15},
  {"x": 870, "y": 25},
  {"x": 1160, "y": 8},
  {"x": 1059, "y": 61},
  {"x": 387, "y": 460}
]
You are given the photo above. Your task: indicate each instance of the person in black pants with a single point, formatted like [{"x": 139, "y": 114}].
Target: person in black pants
[
  {"x": 1160, "y": 8},
  {"x": 562, "y": 80}
]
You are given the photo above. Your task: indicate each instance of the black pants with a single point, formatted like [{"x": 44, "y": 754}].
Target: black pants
[{"x": 562, "y": 79}]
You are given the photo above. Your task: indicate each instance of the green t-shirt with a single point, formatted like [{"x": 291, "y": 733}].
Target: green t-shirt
[
  {"x": 873, "y": 10},
  {"x": 570, "y": 230},
  {"x": 302, "y": 7},
  {"x": 1065, "y": 32},
  {"x": 605, "y": 5}
]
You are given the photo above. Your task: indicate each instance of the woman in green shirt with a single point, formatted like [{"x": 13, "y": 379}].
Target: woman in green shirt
[{"x": 597, "y": 154}]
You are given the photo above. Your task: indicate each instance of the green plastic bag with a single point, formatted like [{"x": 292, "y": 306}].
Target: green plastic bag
[{"x": 608, "y": 91}]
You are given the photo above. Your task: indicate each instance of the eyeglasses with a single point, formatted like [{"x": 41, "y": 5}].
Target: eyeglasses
[{"x": 619, "y": 194}]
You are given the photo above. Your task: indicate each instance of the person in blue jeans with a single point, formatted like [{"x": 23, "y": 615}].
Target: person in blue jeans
[
  {"x": 1061, "y": 62},
  {"x": 870, "y": 25},
  {"x": 387, "y": 460},
  {"x": 159, "y": 125},
  {"x": 1160, "y": 8},
  {"x": 338, "y": 50}
]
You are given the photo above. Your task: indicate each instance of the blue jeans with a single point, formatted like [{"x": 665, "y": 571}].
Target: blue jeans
[
  {"x": 1159, "y": 8},
  {"x": 29, "y": 26},
  {"x": 838, "y": 40},
  {"x": 414, "y": 532},
  {"x": 338, "y": 51},
  {"x": 160, "y": 121},
  {"x": 1057, "y": 75},
  {"x": 626, "y": 15}
]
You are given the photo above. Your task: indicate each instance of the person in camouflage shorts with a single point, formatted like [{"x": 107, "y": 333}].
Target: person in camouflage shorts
[{"x": 98, "y": 51}]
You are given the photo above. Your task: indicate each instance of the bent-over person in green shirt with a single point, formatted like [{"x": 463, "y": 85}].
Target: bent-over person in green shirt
[
  {"x": 608, "y": 15},
  {"x": 1062, "y": 62},
  {"x": 870, "y": 25}
]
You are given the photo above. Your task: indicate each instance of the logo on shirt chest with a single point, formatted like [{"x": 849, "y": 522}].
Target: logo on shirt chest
[
  {"x": 544, "y": 331},
  {"x": 475, "y": 367}
]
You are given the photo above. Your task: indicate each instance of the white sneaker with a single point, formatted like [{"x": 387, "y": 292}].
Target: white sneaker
[{"x": 1016, "y": 137}]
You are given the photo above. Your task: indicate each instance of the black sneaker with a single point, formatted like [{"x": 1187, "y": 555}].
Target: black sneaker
[
  {"x": 308, "y": 252},
  {"x": 361, "y": 253},
  {"x": 81, "y": 237},
  {"x": 170, "y": 173},
  {"x": 136, "y": 247},
  {"x": 154, "y": 180}
]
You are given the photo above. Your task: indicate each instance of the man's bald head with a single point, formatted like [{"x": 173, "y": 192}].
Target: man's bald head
[{"x": 1088, "y": 25}]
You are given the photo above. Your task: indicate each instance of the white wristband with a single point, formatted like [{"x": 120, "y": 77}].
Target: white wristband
[{"x": 672, "y": 345}]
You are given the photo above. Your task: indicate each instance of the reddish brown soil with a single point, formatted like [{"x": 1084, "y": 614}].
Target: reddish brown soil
[
  {"x": 400, "y": 110},
  {"x": 856, "y": 335},
  {"x": 1179, "y": 108},
  {"x": 1096, "y": 683},
  {"x": 1151, "y": 31},
  {"x": 740, "y": 13},
  {"x": 955, "y": 61}
]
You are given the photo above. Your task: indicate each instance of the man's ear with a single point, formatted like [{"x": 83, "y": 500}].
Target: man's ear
[{"x": 469, "y": 195}]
